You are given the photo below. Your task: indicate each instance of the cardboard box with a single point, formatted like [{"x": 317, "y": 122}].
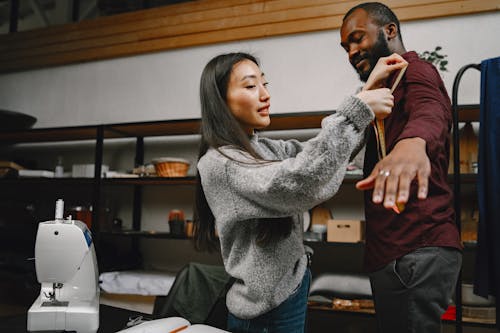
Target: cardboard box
[{"x": 345, "y": 231}]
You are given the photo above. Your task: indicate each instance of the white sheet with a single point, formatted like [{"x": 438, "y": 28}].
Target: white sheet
[{"x": 137, "y": 282}]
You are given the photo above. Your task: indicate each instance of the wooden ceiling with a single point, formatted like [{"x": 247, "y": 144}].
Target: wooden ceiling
[{"x": 197, "y": 23}]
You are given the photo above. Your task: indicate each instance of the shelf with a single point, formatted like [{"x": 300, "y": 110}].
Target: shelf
[
  {"x": 465, "y": 178},
  {"x": 42, "y": 181},
  {"x": 50, "y": 134},
  {"x": 142, "y": 233},
  {"x": 468, "y": 112},
  {"x": 351, "y": 179},
  {"x": 469, "y": 245},
  {"x": 327, "y": 308},
  {"x": 154, "y": 128},
  {"x": 305, "y": 120},
  {"x": 284, "y": 121},
  {"x": 150, "y": 181},
  {"x": 191, "y": 180},
  {"x": 371, "y": 312},
  {"x": 468, "y": 178},
  {"x": 167, "y": 235},
  {"x": 334, "y": 244},
  {"x": 473, "y": 321}
]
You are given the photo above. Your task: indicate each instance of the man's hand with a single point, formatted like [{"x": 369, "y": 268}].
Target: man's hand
[{"x": 393, "y": 175}]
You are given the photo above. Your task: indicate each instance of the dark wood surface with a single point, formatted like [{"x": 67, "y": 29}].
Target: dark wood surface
[{"x": 283, "y": 121}]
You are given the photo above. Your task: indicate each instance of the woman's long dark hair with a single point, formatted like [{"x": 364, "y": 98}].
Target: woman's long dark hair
[{"x": 219, "y": 128}]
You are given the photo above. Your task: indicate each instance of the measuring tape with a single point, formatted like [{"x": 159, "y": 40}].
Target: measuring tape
[
  {"x": 380, "y": 136},
  {"x": 379, "y": 123}
]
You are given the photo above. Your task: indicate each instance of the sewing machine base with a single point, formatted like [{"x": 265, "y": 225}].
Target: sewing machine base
[{"x": 79, "y": 316}]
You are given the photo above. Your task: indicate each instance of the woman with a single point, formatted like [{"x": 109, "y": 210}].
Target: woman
[{"x": 252, "y": 190}]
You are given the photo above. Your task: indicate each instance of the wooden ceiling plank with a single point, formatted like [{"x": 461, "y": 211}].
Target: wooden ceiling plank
[
  {"x": 223, "y": 19},
  {"x": 252, "y": 17},
  {"x": 174, "y": 9},
  {"x": 225, "y": 31},
  {"x": 97, "y": 29},
  {"x": 161, "y": 16}
]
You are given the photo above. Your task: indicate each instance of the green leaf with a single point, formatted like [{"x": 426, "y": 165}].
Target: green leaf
[{"x": 435, "y": 58}]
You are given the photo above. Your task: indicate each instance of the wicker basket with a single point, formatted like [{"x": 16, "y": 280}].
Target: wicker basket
[{"x": 171, "y": 167}]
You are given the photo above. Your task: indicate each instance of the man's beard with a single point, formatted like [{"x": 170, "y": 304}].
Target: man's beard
[{"x": 379, "y": 49}]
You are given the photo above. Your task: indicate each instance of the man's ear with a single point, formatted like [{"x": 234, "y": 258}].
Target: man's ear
[{"x": 391, "y": 31}]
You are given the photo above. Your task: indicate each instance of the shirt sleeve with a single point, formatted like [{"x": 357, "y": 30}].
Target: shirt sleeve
[{"x": 427, "y": 106}]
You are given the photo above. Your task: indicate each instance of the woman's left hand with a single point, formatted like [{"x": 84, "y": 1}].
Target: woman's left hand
[
  {"x": 380, "y": 101},
  {"x": 385, "y": 66}
]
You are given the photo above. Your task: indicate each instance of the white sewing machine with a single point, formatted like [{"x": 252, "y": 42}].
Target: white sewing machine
[{"x": 66, "y": 266}]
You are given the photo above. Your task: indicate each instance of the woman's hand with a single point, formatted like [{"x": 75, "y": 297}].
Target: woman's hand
[
  {"x": 385, "y": 66},
  {"x": 380, "y": 101}
]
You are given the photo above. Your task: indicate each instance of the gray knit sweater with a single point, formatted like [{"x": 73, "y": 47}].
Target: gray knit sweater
[{"x": 240, "y": 193}]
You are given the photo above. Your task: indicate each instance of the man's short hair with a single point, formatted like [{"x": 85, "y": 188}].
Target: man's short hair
[{"x": 379, "y": 13}]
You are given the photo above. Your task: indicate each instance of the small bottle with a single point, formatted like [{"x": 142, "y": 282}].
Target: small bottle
[
  {"x": 59, "y": 169},
  {"x": 176, "y": 223},
  {"x": 59, "y": 210}
]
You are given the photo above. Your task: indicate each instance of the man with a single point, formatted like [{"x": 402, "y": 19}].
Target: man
[{"x": 413, "y": 257}]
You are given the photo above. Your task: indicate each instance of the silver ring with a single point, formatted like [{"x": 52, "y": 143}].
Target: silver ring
[{"x": 384, "y": 173}]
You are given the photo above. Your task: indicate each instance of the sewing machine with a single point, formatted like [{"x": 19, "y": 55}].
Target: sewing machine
[{"x": 66, "y": 267}]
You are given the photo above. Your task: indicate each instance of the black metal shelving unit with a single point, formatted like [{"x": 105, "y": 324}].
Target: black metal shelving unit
[
  {"x": 141, "y": 130},
  {"x": 457, "y": 179},
  {"x": 137, "y": 131}
]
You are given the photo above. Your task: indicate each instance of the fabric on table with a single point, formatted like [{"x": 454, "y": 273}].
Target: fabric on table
[
  {"x": 137, "y": 282},
  {"x": 342, "y": 285}
]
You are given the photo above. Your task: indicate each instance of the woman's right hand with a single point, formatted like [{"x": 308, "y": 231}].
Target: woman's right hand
[
  {"x": 385, "y": 66},
  {"x": 380, "y": 101}
]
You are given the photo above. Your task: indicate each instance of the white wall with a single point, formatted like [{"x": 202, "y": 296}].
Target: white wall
[{"x": 308, "y": 72}]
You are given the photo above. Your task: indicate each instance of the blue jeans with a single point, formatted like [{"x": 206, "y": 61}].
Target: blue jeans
[
  {"x": 412, "y": 292},
  {"x": 288, "y": 317}
]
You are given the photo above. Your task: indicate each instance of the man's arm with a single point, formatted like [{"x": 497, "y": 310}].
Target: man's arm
[{"x": 424, "y": 134}]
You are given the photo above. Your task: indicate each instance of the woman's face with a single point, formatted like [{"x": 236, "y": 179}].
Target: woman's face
[{"x": 247, "y": 96}]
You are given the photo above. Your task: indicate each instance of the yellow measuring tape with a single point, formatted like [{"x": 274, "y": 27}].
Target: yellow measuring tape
[
  {"x": 379, "y": 123},
  {"x": 380, "y": 135}
]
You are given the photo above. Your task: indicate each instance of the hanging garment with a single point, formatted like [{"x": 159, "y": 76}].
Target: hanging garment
[{"x": 487, "y": 274}]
